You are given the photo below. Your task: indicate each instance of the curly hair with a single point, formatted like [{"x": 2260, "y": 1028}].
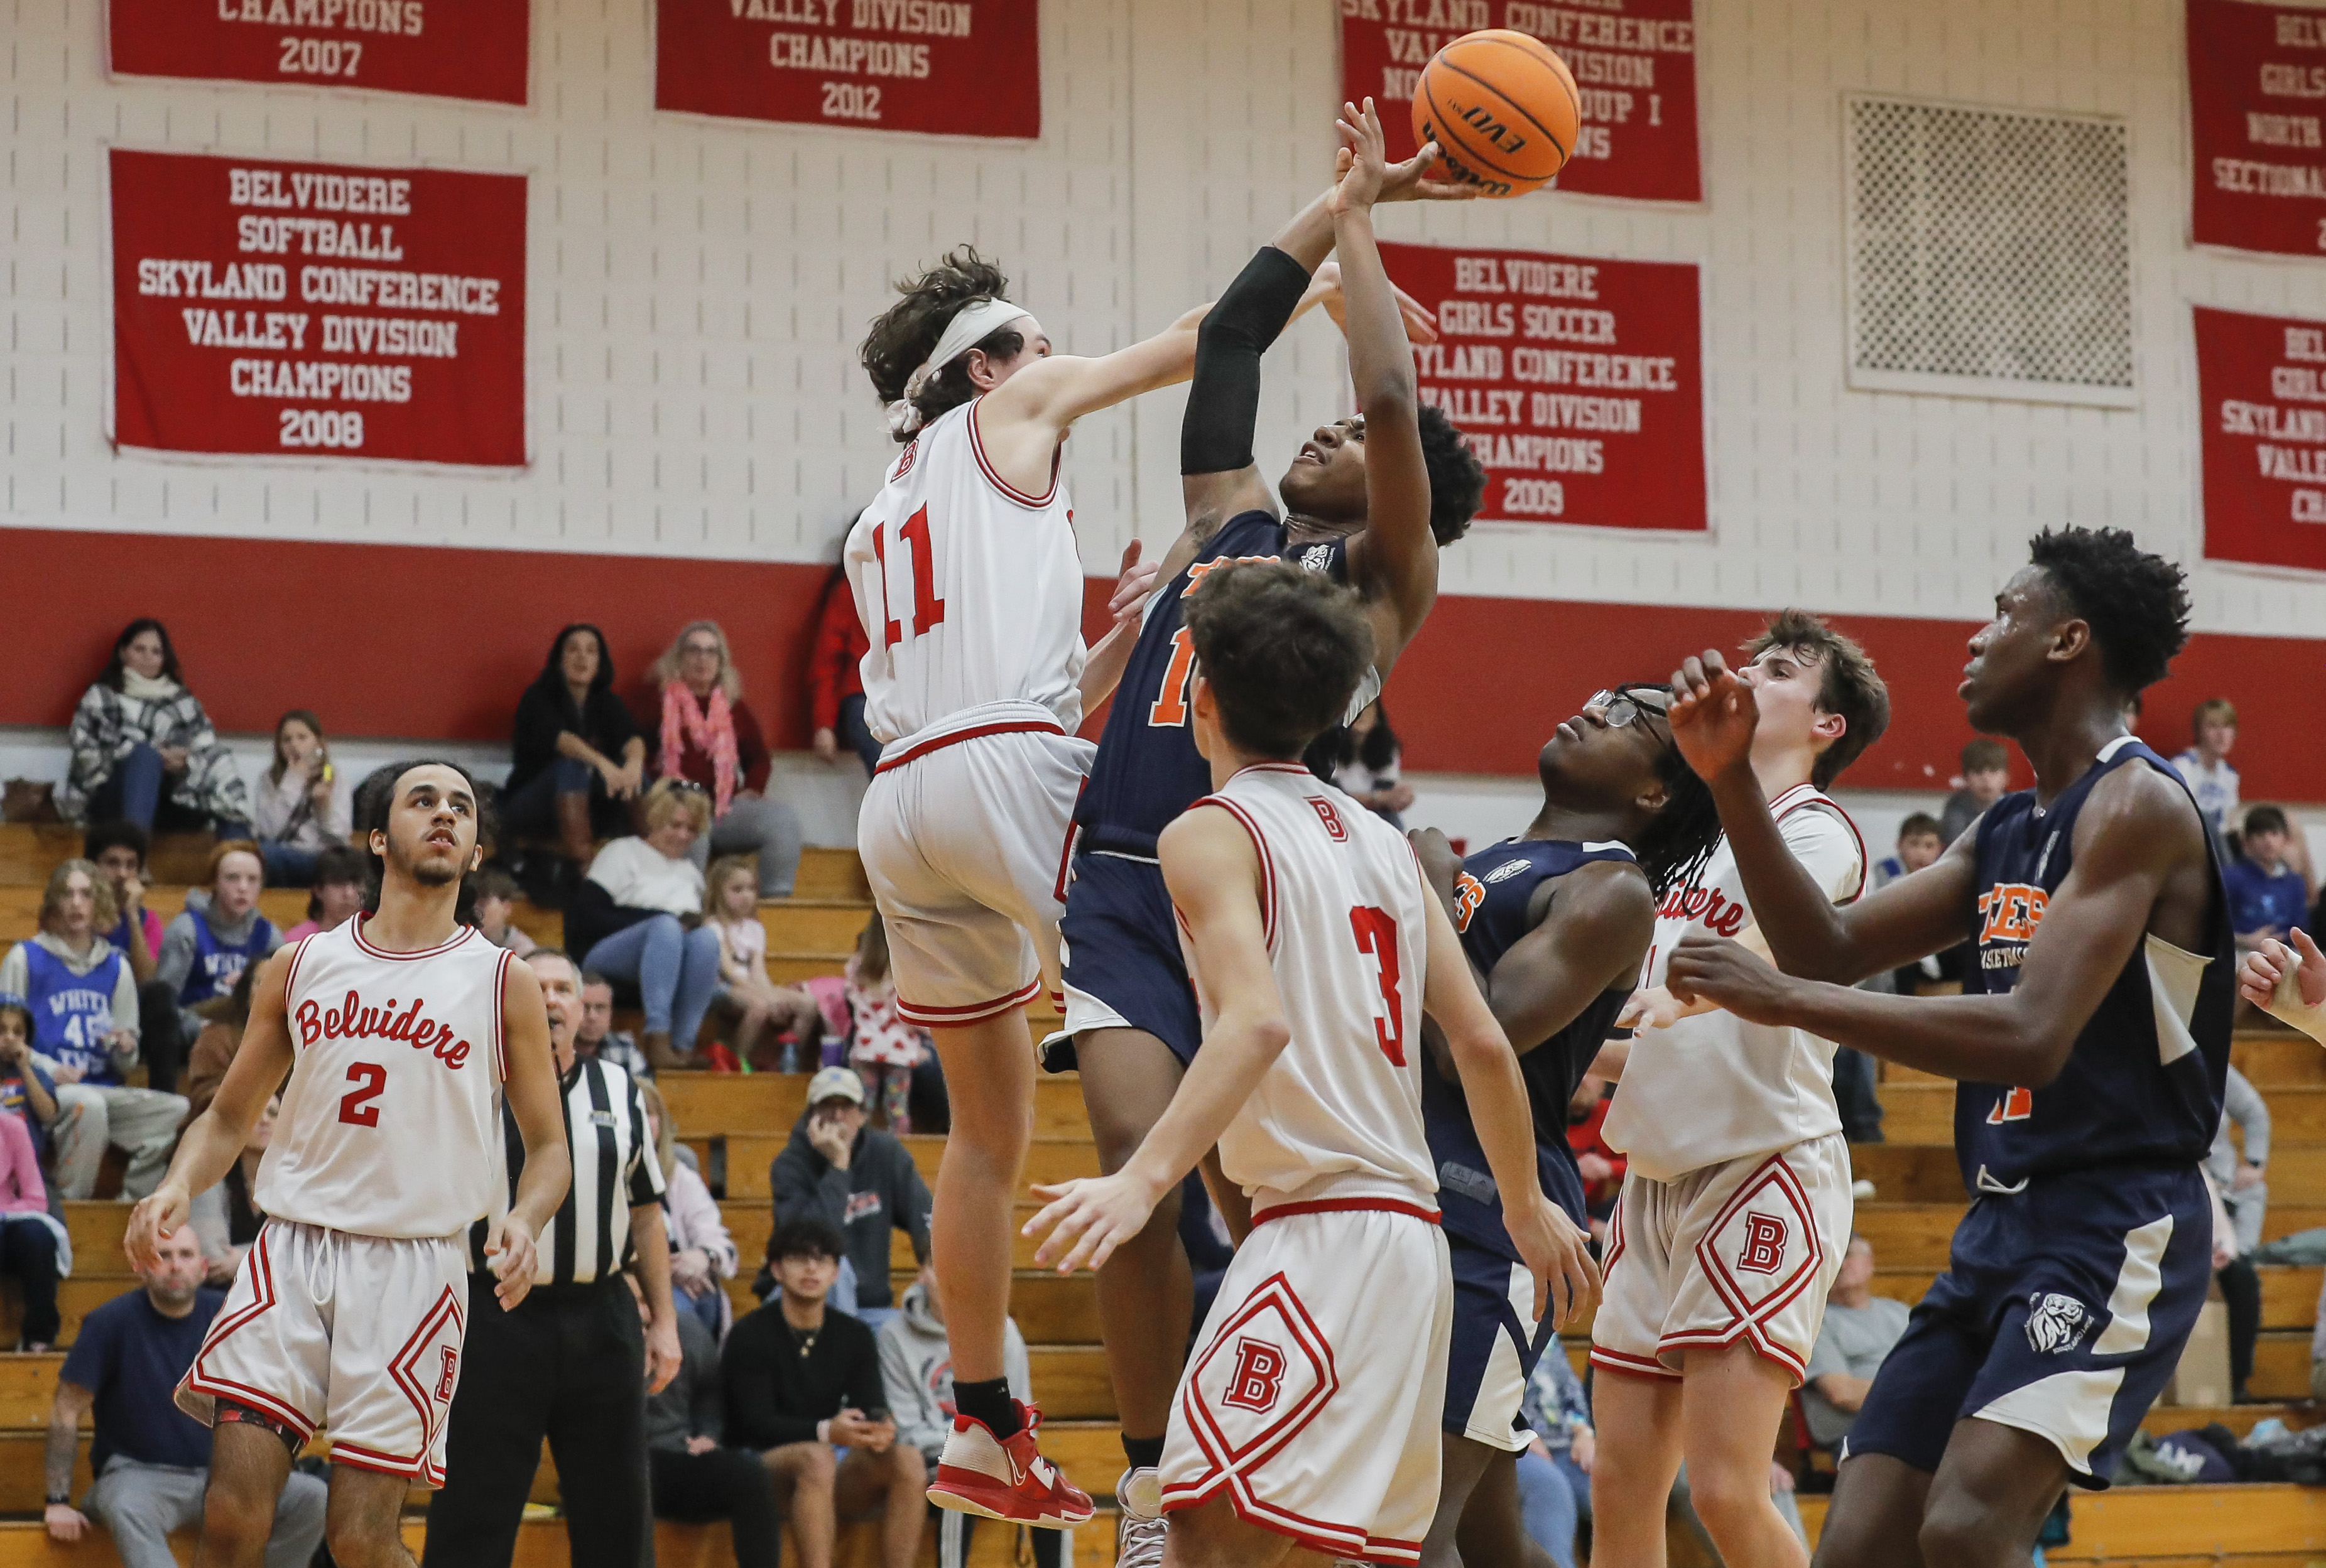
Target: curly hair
[
  {"x": 2136, "y": 603},
  {"x": 1680, "y": 837},
  {"x": 903, "y": 336},
  {"x": 1456, "y": 481}
]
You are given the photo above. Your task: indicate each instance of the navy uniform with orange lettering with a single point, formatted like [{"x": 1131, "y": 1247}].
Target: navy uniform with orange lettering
[
  {"x": 1118, "y": 943},
  {"x": 2078, "y": 1274}
]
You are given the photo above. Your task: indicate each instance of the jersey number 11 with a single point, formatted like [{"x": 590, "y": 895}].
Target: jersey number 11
[{"x": 928, "y": 610}]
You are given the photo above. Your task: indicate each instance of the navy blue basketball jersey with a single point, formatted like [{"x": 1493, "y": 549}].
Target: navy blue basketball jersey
[
  {"x": 1147, "y": 770},
  {"x": 1494, "y": 899},
  {"x": 2143, "y": 1082}
]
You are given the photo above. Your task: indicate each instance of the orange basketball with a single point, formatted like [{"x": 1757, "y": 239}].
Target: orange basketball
[{"x": 1502, "y": 106}]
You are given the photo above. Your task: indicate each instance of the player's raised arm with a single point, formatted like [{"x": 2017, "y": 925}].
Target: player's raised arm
[
  {"x": 533, "y": 1101},
  {"x": 1039, "y": 404},
  {"x": 217, "y": 1137},
  {"x": 2137, "y": 832},
  {"x": 1713, "y": 716},
  {"x": 1213, "y": 873},
  {"x": 1566, "y": 1282}
]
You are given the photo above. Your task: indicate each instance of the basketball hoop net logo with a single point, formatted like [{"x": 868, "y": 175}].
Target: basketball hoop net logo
[
  {"x": 1258, "y": 1377},
  {"x": 451, "y": 1374},
  {"x": 1764, "y": 1244}
]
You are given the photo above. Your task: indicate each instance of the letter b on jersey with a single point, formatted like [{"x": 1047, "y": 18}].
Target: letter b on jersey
[
  {"x": 1257, "y": 1377},
  {"x": 1763, "y": 1251}
]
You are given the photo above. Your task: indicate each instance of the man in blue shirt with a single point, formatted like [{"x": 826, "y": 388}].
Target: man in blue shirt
[
  {"x": 2267, "y": 897},
  {"x": 152, "y": 1460}
]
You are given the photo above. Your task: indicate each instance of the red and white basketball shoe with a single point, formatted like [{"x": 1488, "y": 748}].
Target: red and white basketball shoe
[{"x": 1005, "y": 1477}]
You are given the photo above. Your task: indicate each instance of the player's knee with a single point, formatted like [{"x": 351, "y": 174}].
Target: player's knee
[
  {"x": 1729, "y": 1500},
  {"x": 1959, "y": 1529},
  {"x": 358, "y": 1542},
  {"x": 236, "y": 1524}
]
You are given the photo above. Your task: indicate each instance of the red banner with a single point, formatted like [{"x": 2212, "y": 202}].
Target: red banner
[
  {"x": 1578, "y": 381},
  {"x": 318, "y": 310},
  {"x": 2261, "y": 394},
  {"x": 1636, "y": 72},
  {"x": 961, "y": 68},
  {"x": 2257, "y": 96},
  {"x": 451, "y": 48}
]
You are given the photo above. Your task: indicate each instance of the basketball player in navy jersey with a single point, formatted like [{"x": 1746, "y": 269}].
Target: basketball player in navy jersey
[
  {"x": 2090, "y": 1044},
  {"x": 1129, "y": 1011},
  {"x": 1556, "y": 924}
]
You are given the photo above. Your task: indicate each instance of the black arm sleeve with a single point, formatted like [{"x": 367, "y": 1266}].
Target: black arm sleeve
[{"x": 1223, "y": 400}]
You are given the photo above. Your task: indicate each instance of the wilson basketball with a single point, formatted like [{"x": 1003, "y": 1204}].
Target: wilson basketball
[{"x": 1502, "y": 108}]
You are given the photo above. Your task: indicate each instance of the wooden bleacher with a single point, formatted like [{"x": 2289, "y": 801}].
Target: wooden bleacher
[{"x": 736, "y": 1125}]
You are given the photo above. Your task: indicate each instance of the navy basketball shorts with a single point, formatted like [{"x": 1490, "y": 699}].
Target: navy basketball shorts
[
  {"x": 1494, "y": 1348},
  {"x": 2062, "y": 1312},
  {"x": 1121, "y": 947}
]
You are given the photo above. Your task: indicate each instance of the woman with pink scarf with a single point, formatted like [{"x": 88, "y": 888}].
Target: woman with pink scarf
[{"x": 707, "y": 734}]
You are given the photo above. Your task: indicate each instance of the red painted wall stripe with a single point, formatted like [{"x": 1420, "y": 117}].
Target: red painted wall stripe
[{"x": 396, "y": 640}]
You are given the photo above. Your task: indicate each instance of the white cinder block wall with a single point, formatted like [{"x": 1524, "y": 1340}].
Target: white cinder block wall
[{"x": 698, "y": 288}]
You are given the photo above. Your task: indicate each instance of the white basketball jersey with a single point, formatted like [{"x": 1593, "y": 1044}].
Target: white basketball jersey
[
  {"x": 391, "y": 1124},
  {"x": 970, "y": 591},
  {"x": 1339, "y": 1113},
  {"x": 1713, "y": 1088}
]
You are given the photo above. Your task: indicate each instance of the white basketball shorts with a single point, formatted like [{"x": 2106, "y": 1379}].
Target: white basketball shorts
[
  {"x": 360, "y": 1334},
  {"x": 964, "y": 834},
  {"x": 1745, "y": 1249},
  {"x": 1313, "y": 1398}
]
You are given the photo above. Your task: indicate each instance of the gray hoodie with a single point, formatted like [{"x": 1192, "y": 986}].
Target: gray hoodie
[{"x": 917, "y": 1370}]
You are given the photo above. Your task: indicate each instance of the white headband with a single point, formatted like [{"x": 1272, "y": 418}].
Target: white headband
[{"x": 971, "y": 325}]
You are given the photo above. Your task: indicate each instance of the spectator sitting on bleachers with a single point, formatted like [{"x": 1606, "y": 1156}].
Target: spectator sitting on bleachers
[
  {"x": 1921, "y": 838},
  {"x": 1363, "y": 759},
  {"x": 204, "y": 949},
  {"x": 2239, "y": 1182},
  {"x": 144, "y": 749},
  {"x": 118, "y": 850},
  {"x": 151, "y": 1458},
  {"x": 1985, "y": 774},
  {"x": 835, "y": 684},
  {"x": 598, "y": 1036},
  {"x": 884, "y": 1049},
  {"x": 1554, "y": 1469},
  {"x": 223, "y": 1018},
  {"x": 637, "y": 918},
  {"x": 917, "y": 1377},
  {"x": 2267, "y": 897},
  {"x": 761, "y": 1009},
  {"x": 2205, "y": 765},
  {"x": 26, "y": 1090},
  {"x": 496, "y": 895},
  {"x": 709, "y": 735},
  {"x": 31, "y": 1241},
  {"x": 225, "y": 1217},
  {"x": 298, "y": 810},
  {"x": 337, "y": 896},
  {"x": 693, "y": 1476},
  {"x": 703, "y": 1253},
  {"x": 801, "y": 1382},
  {"x": 859, "y": 1181},
  {"x": 1859, "y": 1329},
  {"x": 84, "y": 1005},
  {"x": 564, "y": 780}
]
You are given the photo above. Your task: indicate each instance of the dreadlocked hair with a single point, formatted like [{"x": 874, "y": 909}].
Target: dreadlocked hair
[
  {"x": 1456, "y": 481},
  {"x": 1679, "y": 838},
  {"x": 906, "y": 334},
  {"x": 2136, "y": 604}
]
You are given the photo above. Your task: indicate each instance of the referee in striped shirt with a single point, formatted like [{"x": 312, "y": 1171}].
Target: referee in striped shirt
[{"x": 571, "y": 1363}]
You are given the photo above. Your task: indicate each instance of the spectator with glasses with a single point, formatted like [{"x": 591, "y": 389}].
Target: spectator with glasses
[
  {"x": 709, "y": 735},
  {"x": 638, "y": 919}
]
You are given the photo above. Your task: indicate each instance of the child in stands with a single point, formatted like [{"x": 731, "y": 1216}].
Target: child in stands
[
  {"x": 885, "y": 1048},
  {"x": 764, "y": 1010},
  {"x": 497, "y": 894}
]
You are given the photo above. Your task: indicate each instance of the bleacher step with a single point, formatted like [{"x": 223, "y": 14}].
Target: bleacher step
[{"x": 2152, "y": 1525}]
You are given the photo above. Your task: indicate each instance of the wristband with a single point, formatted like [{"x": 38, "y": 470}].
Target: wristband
[
  {"x": 823, "y": 1430},
  {"x": 60, "y": 1499}
]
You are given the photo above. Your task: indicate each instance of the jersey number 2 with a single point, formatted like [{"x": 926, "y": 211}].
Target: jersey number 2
[
  {"x": 1377, "y": 935},
  {"x": 928, "y": 610},
  {"x": 356, "y": 1107}
]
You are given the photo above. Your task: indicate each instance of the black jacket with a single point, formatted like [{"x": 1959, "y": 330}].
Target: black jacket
[
  {"x": 776, "y": 1396},
  {"x": 879, "y": 1190}
]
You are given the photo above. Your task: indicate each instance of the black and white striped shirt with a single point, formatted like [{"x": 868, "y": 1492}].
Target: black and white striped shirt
[{"x": 614, "y": 1171}]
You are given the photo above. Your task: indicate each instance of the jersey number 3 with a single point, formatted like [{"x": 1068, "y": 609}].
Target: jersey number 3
[
  {"x": 356, "y": 1107},
  {"x": 928, "y": 610},
  {"x": 1377, "y": 935}
]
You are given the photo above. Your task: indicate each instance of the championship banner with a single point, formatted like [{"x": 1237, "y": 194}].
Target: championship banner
[
  {"x": 2261, "y": 394},
  {"x": 1578, "y": 381},
  {"x": 2257, "y": 96},
  {"x": 318, "y": 310},
  {"x": 450, "y": 49},
  {"x": 1636, "y": 72},
  {"x": 958, "y": 68}
]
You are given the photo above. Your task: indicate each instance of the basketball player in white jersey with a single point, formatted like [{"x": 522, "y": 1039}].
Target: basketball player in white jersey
[
  {"x": 2288, "y": 982},
  {"x": 400, "y": 1032},
  {"x": 1735, "y": 1208},
  {"x": 1306, "y": 1419},
  {"x": 971, "y": 594}
]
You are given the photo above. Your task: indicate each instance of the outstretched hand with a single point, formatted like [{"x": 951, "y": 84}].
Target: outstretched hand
[
  {"x": 1325, "y": 289},
  {"x": 1731, "y": 976},
  {"x": 1090, "y": 1216},
  {"x": 1361, "y": 166},
  {"x": 1411, "y": 181},
  {"x": 1713, "y": 716},
  {"x": 2263, "y": 979},
  {"x": 1133, "y": 582}
]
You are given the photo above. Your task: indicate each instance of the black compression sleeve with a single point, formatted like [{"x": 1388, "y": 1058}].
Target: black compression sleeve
[{"x": 1223, "y": 400}]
